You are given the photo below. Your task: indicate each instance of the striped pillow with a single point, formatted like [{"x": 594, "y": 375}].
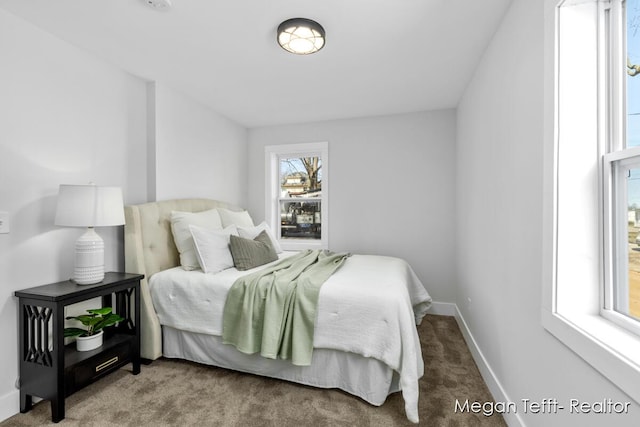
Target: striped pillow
[{"x": 248, "y": 254}]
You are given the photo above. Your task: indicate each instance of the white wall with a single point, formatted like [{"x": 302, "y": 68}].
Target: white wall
[
  {"x": 65, "y": 118},
  {"x": 392, "y": 187},
  {"x": 499, "y": 161},
  {"x": 198, "y": 152}
]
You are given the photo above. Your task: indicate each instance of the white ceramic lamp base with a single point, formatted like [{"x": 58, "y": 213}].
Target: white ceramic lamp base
[{"x": 89, "y": 266}]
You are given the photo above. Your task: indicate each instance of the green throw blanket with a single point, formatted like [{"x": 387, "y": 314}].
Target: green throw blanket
[{"x": 273, "y": 311}]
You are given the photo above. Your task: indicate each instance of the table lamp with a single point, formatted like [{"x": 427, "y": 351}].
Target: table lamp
[{"x": 89, "y": 206}]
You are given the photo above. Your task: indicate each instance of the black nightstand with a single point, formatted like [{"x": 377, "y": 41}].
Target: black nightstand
[{"x": 51, "y": 370}]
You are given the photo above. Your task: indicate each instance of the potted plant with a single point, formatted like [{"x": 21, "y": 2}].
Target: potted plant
[{"x": 97, "y": 319}]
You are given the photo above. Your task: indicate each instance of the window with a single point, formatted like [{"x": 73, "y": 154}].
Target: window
[
  {"x": 621, "y": 169},
  {"x": 592, "y": 190},
  {"x": 297, "y": 190}
]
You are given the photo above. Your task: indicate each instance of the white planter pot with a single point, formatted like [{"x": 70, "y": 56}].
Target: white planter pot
[{"x": 89, "y": 343}]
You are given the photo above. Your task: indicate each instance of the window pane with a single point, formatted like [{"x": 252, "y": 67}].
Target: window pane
[
  {"x": 301, "y": 177},
  {"x": 627, "y": 288},
  {"x": 633, "y": 73},
  {"x": 300, "y": 219}
]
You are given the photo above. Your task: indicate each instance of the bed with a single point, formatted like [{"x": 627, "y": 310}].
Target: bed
[{"x": 365, "y": 340}]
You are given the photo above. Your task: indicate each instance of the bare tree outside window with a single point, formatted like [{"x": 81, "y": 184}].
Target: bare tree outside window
[{"x": 301, "y": 197}]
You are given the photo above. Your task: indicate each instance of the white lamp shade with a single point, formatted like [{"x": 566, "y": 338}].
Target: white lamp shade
[{"x": 89, "y": 206}]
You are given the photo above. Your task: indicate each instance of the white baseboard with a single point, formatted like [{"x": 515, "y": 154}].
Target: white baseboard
[
  {"x": 9, "y": 404},
  {"x": 495, "y": 387},
  {"x": 442, "y": 309}
]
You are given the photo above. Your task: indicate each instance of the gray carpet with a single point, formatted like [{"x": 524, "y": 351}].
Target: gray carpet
[{"x": 180, "y": 393}]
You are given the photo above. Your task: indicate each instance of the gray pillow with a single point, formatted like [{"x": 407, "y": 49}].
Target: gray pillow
[{"x": 248, "y": 254}]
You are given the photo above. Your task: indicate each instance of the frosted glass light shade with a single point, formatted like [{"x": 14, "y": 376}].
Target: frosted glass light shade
[
  {"x": 89, "y": 206},
  {"x": 301, "y": 36}
]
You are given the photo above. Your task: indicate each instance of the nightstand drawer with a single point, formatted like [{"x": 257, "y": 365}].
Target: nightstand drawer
[{"x": 89, "y": 370}]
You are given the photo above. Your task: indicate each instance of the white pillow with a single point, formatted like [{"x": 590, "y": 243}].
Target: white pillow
[
  {"x": 212, "y": 247},
  {"x": 180, "y": 222},
  {"x": 251, "y": 233},
  {"x": 239, "y": 219}
]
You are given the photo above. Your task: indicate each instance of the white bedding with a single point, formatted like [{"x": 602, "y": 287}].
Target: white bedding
[{"x": 369, "y": 307}]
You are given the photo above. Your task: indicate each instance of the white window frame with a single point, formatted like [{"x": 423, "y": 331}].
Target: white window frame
[
  {"x": 615, "y": 224},
  {"x": 273, "y": 154},
  {"x": 581, "y": 121},
  {"x": 615, "y": 157}
]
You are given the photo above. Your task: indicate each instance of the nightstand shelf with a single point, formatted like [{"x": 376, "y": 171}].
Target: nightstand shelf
[{"x": 51, "y": 370}]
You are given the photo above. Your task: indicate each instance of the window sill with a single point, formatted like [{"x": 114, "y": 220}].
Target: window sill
[
  {"x": 300, "y": 244},
  {"x": 609, "y": 348}
]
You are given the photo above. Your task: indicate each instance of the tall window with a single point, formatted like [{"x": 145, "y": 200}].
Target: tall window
[
  {"x": 297, "y": 188},
  {"x": 592, "y": 185},
  {"x": 621, "y": 169}
]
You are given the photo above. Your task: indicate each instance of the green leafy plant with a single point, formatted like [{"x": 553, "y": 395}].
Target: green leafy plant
[{"x": 95, "y": 321}]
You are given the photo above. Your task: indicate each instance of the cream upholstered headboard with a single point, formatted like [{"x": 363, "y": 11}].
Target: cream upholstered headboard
[{"x": 149, "y": 248}]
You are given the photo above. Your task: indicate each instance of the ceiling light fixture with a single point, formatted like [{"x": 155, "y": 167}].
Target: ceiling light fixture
[{"x": 301, "y": 36}]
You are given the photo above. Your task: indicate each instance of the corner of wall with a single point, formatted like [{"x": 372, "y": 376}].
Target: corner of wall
[{"x": 151, "y": 141}]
